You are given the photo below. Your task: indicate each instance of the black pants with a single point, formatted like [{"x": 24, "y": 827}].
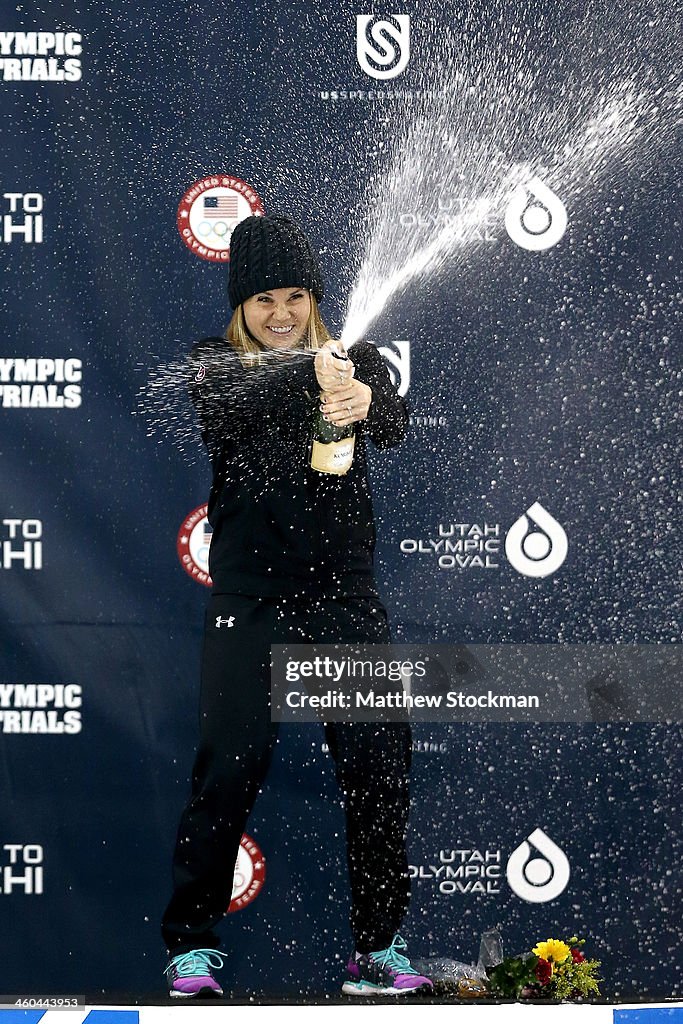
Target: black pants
[{"x": 372, "y": 764}]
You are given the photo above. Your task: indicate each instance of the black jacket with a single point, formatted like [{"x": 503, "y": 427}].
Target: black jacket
[{"x": 280, "y": 527}]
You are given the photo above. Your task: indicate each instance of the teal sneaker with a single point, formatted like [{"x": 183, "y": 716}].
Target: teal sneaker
[
  {"x": 189, "y": 974},
  {"x": 386, "y": 972}
]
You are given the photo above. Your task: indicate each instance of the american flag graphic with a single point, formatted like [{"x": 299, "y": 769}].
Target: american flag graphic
[{"x": 221, "y": 206}]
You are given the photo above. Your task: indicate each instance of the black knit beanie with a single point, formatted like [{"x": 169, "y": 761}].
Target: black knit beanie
[{"x": 271, "y": 252}]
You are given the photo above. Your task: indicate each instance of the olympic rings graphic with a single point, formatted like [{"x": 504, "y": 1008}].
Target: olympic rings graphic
[{"x": 218, "y": 227}]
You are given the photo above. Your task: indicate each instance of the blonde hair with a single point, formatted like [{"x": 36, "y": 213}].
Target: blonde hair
[{"x": 250, "y": 350}]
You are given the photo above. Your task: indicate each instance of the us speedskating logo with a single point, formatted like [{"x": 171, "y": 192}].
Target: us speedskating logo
[
  {"x": 209, "y": 211},
  {"x": 383, "y": 46},
  {"x": 249, "y": 876},
  {"x": 193, "y": 543},
  {"x": 397, "y": 355}
]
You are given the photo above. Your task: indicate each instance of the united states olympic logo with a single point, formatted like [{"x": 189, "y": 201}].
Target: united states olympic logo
[
  {"x": 193, "y": 543},
  {"x": 209, "y": 211},
  {"x": 249, "y": 876}
]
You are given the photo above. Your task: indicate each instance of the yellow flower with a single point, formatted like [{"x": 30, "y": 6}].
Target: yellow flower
[{"x": 553, "y": 950}]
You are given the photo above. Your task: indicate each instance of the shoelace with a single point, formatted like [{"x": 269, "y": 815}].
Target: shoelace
[
  {"x": 391, "y": 958},
  {"x": 187, "y": 964}
]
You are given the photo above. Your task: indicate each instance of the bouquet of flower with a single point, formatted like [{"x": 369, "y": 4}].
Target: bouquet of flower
[{"x": 553, "y": 970}]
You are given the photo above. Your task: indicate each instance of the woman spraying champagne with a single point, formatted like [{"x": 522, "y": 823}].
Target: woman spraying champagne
[{"x": 291, "y": 560}]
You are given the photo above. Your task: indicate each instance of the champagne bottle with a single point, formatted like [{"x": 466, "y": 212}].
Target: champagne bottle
[{"x": 332, "y": 446}]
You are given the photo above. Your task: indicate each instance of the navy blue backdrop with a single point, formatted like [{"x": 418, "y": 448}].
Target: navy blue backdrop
[{"x": 542, "y": 377}]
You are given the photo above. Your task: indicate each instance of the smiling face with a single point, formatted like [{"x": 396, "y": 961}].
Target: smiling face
[{"x": 278, "y": 318}]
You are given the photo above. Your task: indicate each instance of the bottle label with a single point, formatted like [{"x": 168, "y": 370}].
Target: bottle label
[{"x": 335, "y": 457}]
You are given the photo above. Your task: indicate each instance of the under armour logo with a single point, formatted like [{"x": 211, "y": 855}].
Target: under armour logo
[{"x": 230, "y": 621}]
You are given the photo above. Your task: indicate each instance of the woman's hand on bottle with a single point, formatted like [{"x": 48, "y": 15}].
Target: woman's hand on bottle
[
  {"x": 330, "y": 371},
  {"x": 346, "y": 404},
  {"x": 343, "y": 399}
]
